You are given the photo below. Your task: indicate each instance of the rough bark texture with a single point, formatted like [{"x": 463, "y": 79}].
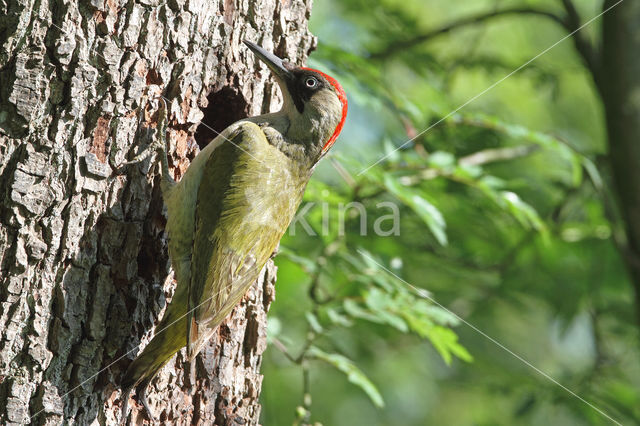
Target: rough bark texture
[
  {"x": 84, "y": 273},
  {"x": 620, "y": 90}
]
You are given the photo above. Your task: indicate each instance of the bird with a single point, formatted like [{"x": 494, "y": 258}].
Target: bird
[{"x": 228, "y": 212}]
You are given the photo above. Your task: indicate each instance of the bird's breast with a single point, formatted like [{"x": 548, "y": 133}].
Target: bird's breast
[{"x": 263, "y": 195}]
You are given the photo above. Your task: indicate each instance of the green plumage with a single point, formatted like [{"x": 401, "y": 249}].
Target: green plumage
[
  {"x": 232, "y": 206},
  {"x": 238, "y": 198},
  {"x": 243, "y": 210}
]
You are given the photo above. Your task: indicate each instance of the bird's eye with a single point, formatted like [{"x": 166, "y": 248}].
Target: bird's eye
[{"x": 311, "y": 82}]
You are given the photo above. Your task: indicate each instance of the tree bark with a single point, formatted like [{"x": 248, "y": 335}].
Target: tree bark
[
  {"x": 619, "y": 87},
  {"x": 84, "y": 270}
]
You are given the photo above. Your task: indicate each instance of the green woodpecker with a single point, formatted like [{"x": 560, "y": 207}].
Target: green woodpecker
[{"x": 232, "y": 206}]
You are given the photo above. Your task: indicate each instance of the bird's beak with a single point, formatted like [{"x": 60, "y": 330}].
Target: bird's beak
[{"x": 275, "y": 64}]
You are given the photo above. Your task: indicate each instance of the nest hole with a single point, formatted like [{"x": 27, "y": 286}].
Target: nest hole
[{"x": 224, "y": 107}]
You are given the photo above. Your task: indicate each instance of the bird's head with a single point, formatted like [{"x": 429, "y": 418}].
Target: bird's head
[{"x": 314, "y": 103}]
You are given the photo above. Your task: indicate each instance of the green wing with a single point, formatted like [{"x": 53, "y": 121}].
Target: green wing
[{"x": 240, "y": 216}]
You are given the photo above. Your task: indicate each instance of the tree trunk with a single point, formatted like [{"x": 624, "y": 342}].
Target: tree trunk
[
  {"x": 84, "y": 272},
  {"x": 620, "y": 90}
]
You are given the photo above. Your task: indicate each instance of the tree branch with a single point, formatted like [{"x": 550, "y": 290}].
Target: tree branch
[
  {"x": 588, "y": 53},
  {"x": 498, "y": 154},
  {"x": 476, "y": 159},
  {"x": 397, "y": 46}
]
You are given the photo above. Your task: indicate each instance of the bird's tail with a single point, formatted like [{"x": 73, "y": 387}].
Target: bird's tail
[{"x": 169, "y": 338}]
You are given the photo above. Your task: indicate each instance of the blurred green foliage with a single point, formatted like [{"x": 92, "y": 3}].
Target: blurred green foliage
[{"x": 503, "y": 221}]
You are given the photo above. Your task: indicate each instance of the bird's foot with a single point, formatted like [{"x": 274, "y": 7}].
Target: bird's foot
[
  {"x": 125, "y": 405},
  {"x": 141, "y": 393}
]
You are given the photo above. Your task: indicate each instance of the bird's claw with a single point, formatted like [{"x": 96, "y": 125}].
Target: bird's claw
[
  {"x": 147, "y": 409},
  {"x": 125, "y": 405},
  {"x": 141, "y": 393}
]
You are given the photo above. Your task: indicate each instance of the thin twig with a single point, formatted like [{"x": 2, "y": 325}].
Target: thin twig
[
  {"x": 585, "y": 49},
  {"x": 476, "y": 159},
  {"x": 397, "y": 46},
  {"x": 278, "y": 344},
  {"x": 498, "y": 154}
]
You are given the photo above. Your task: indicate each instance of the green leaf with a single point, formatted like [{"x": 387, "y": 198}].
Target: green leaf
[
  {"x": 356, "y": 311},
  {"x": 390, "y": 151},
  {"x": 337, "y": 318},
  {"x": 441, "y": 160},
  {"x": 381, "y": 306},
  {"x": 446, "y": 343},
  {"x": 429, "y": 214},
  {"x": 313, "y": 322},
  {"x": 593, "y": 173},
  {"x": 523, "y": 212},
  {"x": 354, "y": 374},
  {"x": 467, "y": 171},
  {"x": 546, "y": 141},
  {"x": 419, "y": 324},
  {"x": 442, "y": 316}
]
